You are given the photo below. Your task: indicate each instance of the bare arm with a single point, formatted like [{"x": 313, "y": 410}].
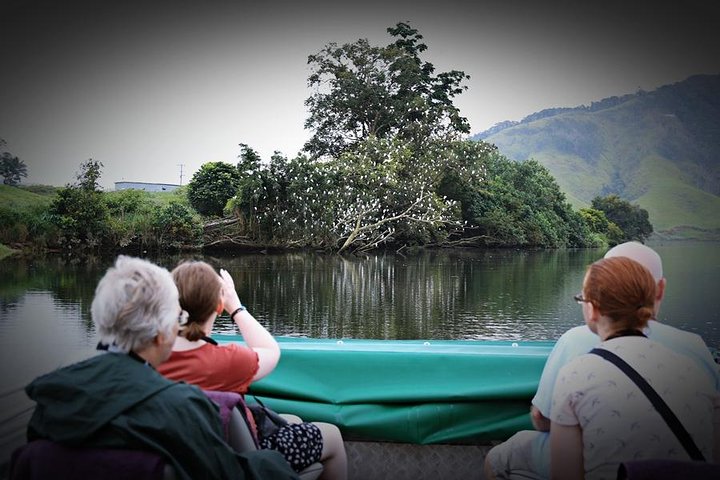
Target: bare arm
[
  {"x": 254, "y": 334},
  {"x": 539, "y": 421},
  {"x": 566, "y": 452}
]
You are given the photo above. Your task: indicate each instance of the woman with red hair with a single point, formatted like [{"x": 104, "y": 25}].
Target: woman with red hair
[{"x": 600, "y": 416}]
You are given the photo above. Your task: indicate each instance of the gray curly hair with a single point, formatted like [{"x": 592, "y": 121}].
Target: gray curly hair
[{"x": 134, "y": 301}]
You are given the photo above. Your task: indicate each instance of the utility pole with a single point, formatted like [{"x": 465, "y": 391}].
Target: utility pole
[{"x": 181, "y": 165}]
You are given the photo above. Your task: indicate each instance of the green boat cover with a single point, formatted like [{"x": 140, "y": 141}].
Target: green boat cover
[{"x": 421, "y": 392}]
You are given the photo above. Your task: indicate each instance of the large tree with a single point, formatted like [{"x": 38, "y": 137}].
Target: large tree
[
  {"x": 632, "y": 220},
  {"x": 212, "y": 186},
  {"x": 12, "y": 169},
  {"x": 362, "y": 90}
]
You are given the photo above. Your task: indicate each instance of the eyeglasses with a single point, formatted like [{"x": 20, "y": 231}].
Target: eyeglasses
[
  {"x": 183, "y": 318},
  {"x": 578, "y": 297}
]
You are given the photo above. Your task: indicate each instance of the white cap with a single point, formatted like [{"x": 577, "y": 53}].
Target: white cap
[{"x": 644, "y": 255}]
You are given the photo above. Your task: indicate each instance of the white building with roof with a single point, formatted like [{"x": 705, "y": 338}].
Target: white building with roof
[{"x": 146, "y": 186}]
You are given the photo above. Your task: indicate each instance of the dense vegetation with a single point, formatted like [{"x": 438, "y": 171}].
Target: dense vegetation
[
  {"x": 387, "y": 166},
  {"x": 657, "y": 149},
  {"x": 80, "y": 217}
]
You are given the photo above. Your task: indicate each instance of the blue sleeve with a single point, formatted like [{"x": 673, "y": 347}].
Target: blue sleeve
[
  {"x": 574, "y": 342},
  {"x": 686, "y": 343}
]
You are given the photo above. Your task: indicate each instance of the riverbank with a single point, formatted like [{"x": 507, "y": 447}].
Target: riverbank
[{"x": 80, "y": 219}]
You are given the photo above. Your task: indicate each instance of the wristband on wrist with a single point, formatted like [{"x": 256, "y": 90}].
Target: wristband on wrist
[{"x": 241, "y": 308}]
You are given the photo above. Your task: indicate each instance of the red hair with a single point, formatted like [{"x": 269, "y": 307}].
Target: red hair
[{"x": 621, "y": 289}]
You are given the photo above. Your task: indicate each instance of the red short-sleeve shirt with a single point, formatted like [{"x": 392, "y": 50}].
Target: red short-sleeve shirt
[{"x": 226, "y": 368}]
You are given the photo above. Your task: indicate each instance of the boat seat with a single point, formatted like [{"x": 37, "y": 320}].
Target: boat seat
[
  {"x": 42, "y": 459},
  {"x": 241, "y": 440}
]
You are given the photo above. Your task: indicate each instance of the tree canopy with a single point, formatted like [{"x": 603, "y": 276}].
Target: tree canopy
[
  {"x": 633, "y": 221},
  {"x": 79, "y": 211},
  {"x": 387, "y": 166},
  {"x": 212, "y": 186},
  {"x": 12, "y": 169},
  {"x": 363, "y": 91}
]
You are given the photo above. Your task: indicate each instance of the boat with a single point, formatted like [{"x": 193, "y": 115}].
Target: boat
[{"x": 408, "y": 409}]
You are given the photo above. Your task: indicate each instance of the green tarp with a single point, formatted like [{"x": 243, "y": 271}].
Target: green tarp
[{"x": 407, "y": 391}]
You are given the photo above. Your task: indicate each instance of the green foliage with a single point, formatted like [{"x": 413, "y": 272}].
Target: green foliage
[
  {"x": 142, "y": 220},
  {"x": 604, "y": 231},
  {"x": 79, "y": 212},
  {"x": 12, "y": 169},
  {"x": 85, "y": 220},
  {"x": 89, "y": 175},
  {"x": 363, "y": 91},
  {"x": 632, "y": 220},
  {"x": 286, "y": 201},
  {"x": 249, "y": 159},
  {"x": 384, "y": 192},
  {"x": 387, "y": 193},
  {"x": 20, "y": 198},
  {"x": 81, "y": 217},
  {"x": 11, "y": 221},
  {"x": 24, "y": 217},
  {"x": 175, "y": 226},
  {"x": 125, "y": 202},
  {"x": 46, "y": 190},
  {"x": 520, "y": 204},
  {"x": 212, "y": 186},
  {"x": 656, "y": 149},
  {"x": 365, "y": 198}
]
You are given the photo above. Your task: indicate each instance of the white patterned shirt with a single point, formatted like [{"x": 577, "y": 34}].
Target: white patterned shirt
[{"x": 618, "y": 421}]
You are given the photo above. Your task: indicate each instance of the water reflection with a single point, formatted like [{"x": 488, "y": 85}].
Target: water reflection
[
  {"x": 435, "y": 295},
  {"x": 506, "y": 294},
  {"x": 47, "y": 333},
  {"x": 494, "y": 294}
]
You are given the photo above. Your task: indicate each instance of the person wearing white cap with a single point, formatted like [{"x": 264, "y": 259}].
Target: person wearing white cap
[{"x": 526, "y": 455}]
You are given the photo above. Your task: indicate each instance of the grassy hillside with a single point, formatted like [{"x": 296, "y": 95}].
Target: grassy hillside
[
  {"x": 27, "y": 197},
  {"x": 658, "y": 149},
  {"x": 20, "y": 198}
]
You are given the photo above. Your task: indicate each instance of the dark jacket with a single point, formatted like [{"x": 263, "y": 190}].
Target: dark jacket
[{"x": 113, "y": 400}]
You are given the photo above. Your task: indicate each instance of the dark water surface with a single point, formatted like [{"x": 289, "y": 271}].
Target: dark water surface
[
  {"x": 485, "y": 295},
  {"x": 505, "y": 295}
]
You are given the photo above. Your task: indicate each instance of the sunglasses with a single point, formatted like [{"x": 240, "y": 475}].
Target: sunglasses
[{"x": 579, "y": 298}]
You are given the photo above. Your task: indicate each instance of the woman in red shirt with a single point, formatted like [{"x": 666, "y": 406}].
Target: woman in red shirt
[{"x": 198, "y": 360}]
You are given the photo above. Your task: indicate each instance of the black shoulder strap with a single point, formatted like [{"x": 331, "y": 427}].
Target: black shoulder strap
[{"x": 657, "y": 401}]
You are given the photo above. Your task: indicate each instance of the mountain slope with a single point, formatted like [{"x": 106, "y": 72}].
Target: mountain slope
[{"x": 659, "y": 149}]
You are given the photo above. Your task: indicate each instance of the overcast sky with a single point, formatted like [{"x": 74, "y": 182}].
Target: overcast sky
[{"x": 144, "y": 88}]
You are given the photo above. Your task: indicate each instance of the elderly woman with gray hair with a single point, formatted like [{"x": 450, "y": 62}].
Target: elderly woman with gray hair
[{"x": 117, "y": 399}]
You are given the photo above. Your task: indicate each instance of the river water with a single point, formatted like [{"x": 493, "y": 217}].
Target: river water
[{"x": 484, "y": 295}]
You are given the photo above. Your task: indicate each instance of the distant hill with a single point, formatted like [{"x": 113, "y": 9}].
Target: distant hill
[{"x": 659, "y": 149}]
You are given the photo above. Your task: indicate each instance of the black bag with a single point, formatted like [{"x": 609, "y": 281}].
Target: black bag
[{"x": 267, "y": 421}]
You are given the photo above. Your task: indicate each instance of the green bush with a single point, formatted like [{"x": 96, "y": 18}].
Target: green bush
[
  {"x": 212, "y": 186},
  {"x": 632, "y": 221},
  {"x": 13, "y": 230},
  {"x": 81, "y": 216},
  {"x": 176, "y": 226}
]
